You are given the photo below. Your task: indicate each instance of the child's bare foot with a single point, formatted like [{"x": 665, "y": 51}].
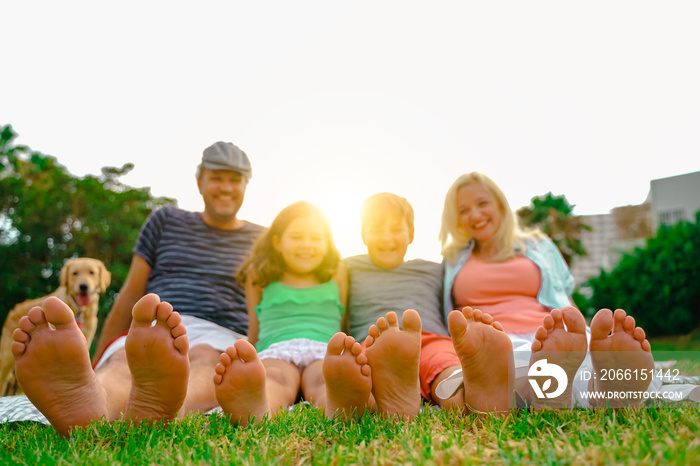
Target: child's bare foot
[
  {"x": 53, "y": 367},
  {"x": 394, "y": 356},
  {"x": 617, "y": 344},
  {"x": 347, "y": 375},
  {"x": 565, "y": 347},
  {"x": 158, "y": 361},
  {"x": 486, "y": 355},
  {"x": 240, "y": 384}
]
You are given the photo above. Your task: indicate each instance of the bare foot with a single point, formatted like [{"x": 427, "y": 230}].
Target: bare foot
[
  {"x": 158, "y": 361},
  {"x": 347, "y": 375},
  {"x": 486, "y": 355},
  {"x": 617, "y": 344},
  {"x": 240, "y": 384},
  {"x": 53, "y": 367},
  {"x": 394, "y": 356},
  {"x": 565, "y": 347}
]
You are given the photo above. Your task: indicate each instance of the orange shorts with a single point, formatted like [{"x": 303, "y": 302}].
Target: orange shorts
[{"x": 437, "y": 354}]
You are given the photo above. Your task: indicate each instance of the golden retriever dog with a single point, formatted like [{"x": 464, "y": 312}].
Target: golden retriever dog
[{"x": 81, "y": 282}]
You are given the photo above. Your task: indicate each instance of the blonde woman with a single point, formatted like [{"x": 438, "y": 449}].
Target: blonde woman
[{"x": 514, "y": 289}]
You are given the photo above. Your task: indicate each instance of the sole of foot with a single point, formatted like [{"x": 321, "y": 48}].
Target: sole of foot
[
  {"x": 617, "y": 344},
  {"x": 240, "y": 384},
  {"x": 53, "y": 367},
  {"x": 561, "y": 340},
  {"x": 394, "y": 357},
  {"x": 486, "y": 355},
  {"x": 158, "y": 360},
  {"x": 348, "y": 377}
]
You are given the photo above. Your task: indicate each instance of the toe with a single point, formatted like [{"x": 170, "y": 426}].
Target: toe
[
  {"x": 468, "y": 312},
  {"x": 36, "y": 316},
  {"x": 178, "y": 331},
  {"x": 20, "y": 336},
  {"x": 602, "y": 324},
  {"x": 548, "y": 323},
  {"x": 575, "y": 323},
  {"x": 457, "y": 324},
  {"x": 411, "y": 321},
  {"x": 487, "y": 319},
  {"x": 392, "y": 319},
  {"x": 182, "y": 344},
  {"x": 619, "y": 317},
  {"x": 18, "y": 349},
  {"x": 335, "y": 344},
  {"x": 373, "y": 331},
  {"x": 639, "y": 334},
  {"x": 477, "y": 315},
  {"x": 557, "y": 319},
  {"x": 628, "y": 324},
  {"x": 57, "y": 312},
  {"x": 174, "y": 319},
  {"x": 382, "y": 324},
  {"x": 349, "y": 343},
  {"x": 26, "y": 324},
  {"x": 225, "y": 358},
  {"x": 164, "y": 311},
  {"x": 144, "y": 312},
  {"x": 246, "y": 351}
]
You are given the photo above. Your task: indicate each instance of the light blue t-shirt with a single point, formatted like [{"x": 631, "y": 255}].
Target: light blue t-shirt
[{"x": 557, "y": 281}]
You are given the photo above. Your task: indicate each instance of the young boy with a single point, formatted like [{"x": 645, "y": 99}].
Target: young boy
[{"x": 381, "y": 282}]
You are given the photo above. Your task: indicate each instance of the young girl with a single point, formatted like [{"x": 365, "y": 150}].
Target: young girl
[{"x": 296, "y": 292}]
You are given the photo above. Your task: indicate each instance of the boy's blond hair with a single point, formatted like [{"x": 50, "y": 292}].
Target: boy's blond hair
[{"x": 380, "y": 206}]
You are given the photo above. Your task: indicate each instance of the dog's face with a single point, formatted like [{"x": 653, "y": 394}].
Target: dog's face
[{"x": 84, "y": 279}]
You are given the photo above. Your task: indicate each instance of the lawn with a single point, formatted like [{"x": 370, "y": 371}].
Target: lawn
[
  {"x": 658, "y": 433},
  {"x": 652, "y": 435}
]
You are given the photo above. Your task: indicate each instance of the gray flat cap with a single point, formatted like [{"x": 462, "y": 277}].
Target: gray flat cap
[{"x": 226, "y": 156}]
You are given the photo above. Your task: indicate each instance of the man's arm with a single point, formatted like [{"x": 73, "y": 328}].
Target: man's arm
[{"x": 119, "y": 318}]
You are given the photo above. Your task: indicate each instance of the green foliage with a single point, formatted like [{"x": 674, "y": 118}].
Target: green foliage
[
  {"x": 554, "y": 216},
  {"x": 48, "y": 215},
  {"x": 658, "y": 284}
]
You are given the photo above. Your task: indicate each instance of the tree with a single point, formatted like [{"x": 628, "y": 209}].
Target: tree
[
  {"x": 553, "y": 215},
  {"x": 48, "y": 215},
  {"x": 657, "y": 284}
]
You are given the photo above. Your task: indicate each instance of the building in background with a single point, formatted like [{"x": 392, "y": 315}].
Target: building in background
[{"x": 624, "y": 228}]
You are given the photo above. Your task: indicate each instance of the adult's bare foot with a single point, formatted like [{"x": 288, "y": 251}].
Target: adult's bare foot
[
  {"x": 158, "y": 361},
  {"x": 486, "y": 355},
  {"x": 565, "y": 347},
  {"x": 240, "y": 384},
  {"x": 348, "y": 377},
  {"x": 618, "y": 346},
  {"x": 53, "y": 367},
  {"x": 394, "y": 357}
]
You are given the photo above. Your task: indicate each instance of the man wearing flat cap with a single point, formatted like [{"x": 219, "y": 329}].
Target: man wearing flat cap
[
  {"x": 166, "y": 369},
  {"x": 190, "y": 259}
]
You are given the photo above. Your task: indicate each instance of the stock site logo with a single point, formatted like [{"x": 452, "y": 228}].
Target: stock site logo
[{"x": 542, "y": 369}]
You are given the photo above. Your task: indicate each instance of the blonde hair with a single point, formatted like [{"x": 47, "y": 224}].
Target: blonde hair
[
  {"x": 267, "y": 264},
  {"x": 452, "y": 236},
  {"x": 379, "y": 206}
]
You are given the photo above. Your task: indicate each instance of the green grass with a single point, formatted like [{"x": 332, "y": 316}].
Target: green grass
[
  {"x": 689, "y": 342},
  {"x": 656, "y": 435}
]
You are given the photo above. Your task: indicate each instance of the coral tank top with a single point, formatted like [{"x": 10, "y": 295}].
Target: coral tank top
[{"x": 506, "y": 290}]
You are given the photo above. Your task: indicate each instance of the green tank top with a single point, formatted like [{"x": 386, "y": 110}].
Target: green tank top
[{"x": 286, "y": 313}]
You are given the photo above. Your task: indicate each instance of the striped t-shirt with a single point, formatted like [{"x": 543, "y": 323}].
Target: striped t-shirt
[{"x": 194, "y": 265}]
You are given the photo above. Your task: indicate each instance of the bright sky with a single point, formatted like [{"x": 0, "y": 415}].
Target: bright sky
[{"x": 336, "y": 101}]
